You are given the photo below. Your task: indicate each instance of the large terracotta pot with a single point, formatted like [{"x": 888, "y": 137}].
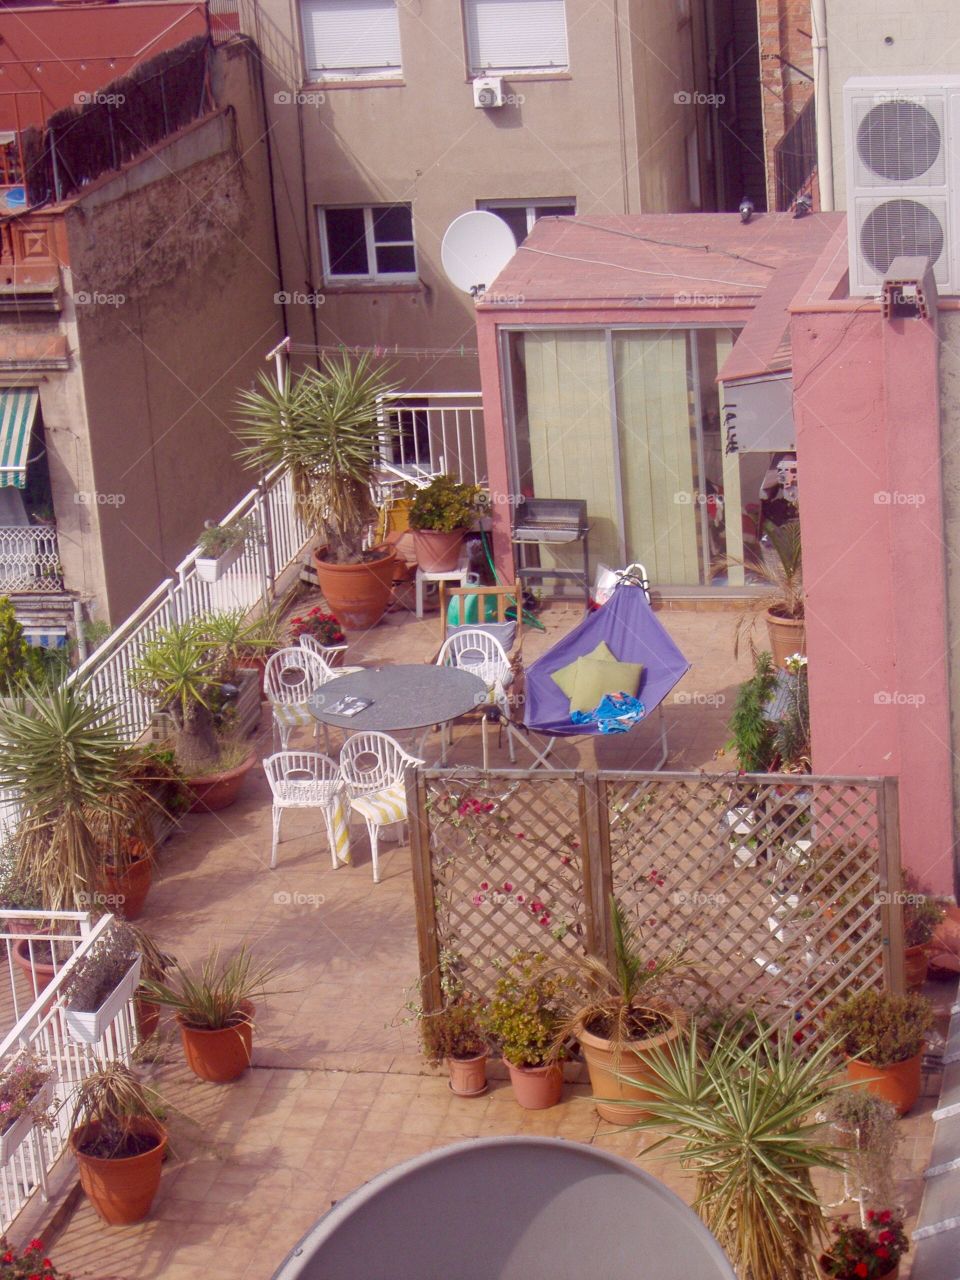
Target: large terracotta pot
[
  {"x": 824, "y": 1274},
  {"x": 148, "y": 1016},
  {"x": 128, "y": 887},
  {"x": 121, "y": 1190},
  {"x": 438, "y": 552},
  {"x": 39, "y": 973},
  {"x": 357, "y": 593},
  {"x": 536, "y": 1088},
  {"x": 219, "y": 1056},
  {"x": 915, "y": 963},
  {"x": 605, "y": 1068},
  {"x": 468, "y": 1076},
  {"x": 787, "y": 636},
  {"x": 898, "y": 1084},
  {"x": 214, "y": 791}
]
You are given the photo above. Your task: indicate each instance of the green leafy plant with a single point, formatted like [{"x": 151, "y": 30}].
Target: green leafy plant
[
  {"x": 79, "y": 790},
  {"x": 102, "y": 968},
  {"x": 107, "y": 1106},
  {"x": 28, "y": 1263},
  {"x": 445, "y": 504},
  {"x": 453, "y": 1032},
  {"x": 21, "y": 1086},
  {"x": 325, "y": 427},
  {"x": 217, "y": 539},
  {"x": 782, "y": 580},
  {"x": 752, "y": 735},
  {"x": 744, "y": 1118},
  {"x": 19, "y": 661},
  {"x": 524, "y": 1014},
  {"x": 865, "y": 1253},
  {"x": 880, "y": 1027},
  {"x": 213, "y": 995}
]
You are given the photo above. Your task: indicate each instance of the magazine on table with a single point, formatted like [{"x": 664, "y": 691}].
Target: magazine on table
[{"x": 349, "y": 706}]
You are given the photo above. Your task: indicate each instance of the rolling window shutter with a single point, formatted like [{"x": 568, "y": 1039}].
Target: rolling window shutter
[
  {"x": 359, "y": 37},
  {"x": 515, "y": 35}
]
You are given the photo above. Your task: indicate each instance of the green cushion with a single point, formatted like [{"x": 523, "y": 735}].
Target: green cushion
[
  {"x": 595, "y": 677},
  {"x": 566, "y": 676}
]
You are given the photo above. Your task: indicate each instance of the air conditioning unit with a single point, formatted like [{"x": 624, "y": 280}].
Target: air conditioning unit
[
  {"x": 903, "y": 177},
  {"x": 488, "y": 92}
]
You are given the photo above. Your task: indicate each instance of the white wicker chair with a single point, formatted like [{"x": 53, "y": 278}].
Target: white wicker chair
[
  {"x": 289, "y": 678},
  {"x": 372, "y": 766},
  {"x": 325, "y": 653},
  {"x": 484, "y": 656},
  {"x": 307, "y": 780}
]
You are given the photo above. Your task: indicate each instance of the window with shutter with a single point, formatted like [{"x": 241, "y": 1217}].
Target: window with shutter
[
  {"x": 368, "y": 244},
  {"x": 520, "y": 215},
  {"x": 350, "y": 39},
  {"x": 504, "y": 36}
]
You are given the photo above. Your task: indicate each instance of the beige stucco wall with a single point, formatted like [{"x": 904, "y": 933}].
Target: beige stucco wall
[
  {"x": 177, "y": 260},
  {"x": 422, "y": 141},
  {"x": 925, "y": 38}
]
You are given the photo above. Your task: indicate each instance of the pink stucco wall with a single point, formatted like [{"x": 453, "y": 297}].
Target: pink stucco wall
[{"x": 866, "y": 404}]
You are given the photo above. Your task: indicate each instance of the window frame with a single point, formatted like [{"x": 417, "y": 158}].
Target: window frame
[
  {"x": 370, "y": 243},
  {"x": 530, "y": 205},
  {"x": 348, "y": 75},
  {"x": 540, "y": 69}
]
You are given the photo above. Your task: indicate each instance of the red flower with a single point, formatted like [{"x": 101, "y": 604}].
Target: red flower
[
  {"x": 545, "y": 918},
  {"x": 871, "y": 1214},
  {"x": 861, "y": 1269},
  {"x": 520, "y": 835},
  {"x": 521, "y": 898},
  {"x": 484, "y": 885},
  {"x": 507, "y": 886},
  {"x": 37, "y": 1245},
  {"x": 886, "y": 1216},
  {"x": 882, "y": 1252},
  {"x": 536, "y": 906},
  {"x": 7, "y": 1257},
  {"x": 885, "y": 1237},
  {"x": 565, "y": 859}
]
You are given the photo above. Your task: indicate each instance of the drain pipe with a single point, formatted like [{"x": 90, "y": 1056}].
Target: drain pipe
[{"x": 821, "y": 93}]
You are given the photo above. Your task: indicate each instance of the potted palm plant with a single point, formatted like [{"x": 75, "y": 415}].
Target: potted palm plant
[
  {"x": 325, "y": 427},
  {"x": 455, "y": 1036},
  {"x": 119, "y": 1142},
  {"x": 743, "y": 1111},
  {"x": 882, "y": 1037},
  {"x": 782, "y": 604},
  {"x": 441, "y": 515},
  {"x": 620, "y": 1013},
  {"x": 214, "y": 1009},
  {"x": 221, "y": 545},
  {"x": 523, "y": 1016},
  {"x": 181, "y": 670},
  {"x": 80, "y": 790}
]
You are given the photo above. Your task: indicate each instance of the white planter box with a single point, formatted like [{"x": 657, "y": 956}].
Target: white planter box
[
  {"x": 89, "y": 1028},
  {"x": 12, "y": 1137},
  {"x": 210, "y": 569}
]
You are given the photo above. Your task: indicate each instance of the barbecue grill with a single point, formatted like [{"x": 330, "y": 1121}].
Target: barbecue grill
[{"x": 554, "y": 521}]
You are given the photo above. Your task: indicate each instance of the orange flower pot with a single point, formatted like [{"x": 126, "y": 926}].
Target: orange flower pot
[
  {"x": 129, "y": 887},
  {"x": 536, "y": 1088},
  {"x": 468, "y": 1076},
  {"x": 915, "y": 964},
  {"x": 121, "y": 1190},
  {"x": 898, "y": 1084},
  {"x": 605, "y": 1069},
  {"x": 222, "y": 1055},
  {"x": 357, "y": 593},
  {"x": 214, "y": 791}
]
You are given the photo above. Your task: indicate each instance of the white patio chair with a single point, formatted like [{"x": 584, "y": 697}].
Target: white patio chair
[
  {"x": 308, "y": 780},
  {"x": 372, "y": 766},
  {"x": 289, "y": 678},
  {"x": 325, "y": 653},
  {"x": 484, "y": 656}
]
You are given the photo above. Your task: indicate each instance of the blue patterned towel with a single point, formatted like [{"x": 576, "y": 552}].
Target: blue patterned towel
[{"x": 615, "y": 713}]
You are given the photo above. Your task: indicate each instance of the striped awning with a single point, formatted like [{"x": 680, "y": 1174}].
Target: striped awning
[{"x": 18, "y": 409}]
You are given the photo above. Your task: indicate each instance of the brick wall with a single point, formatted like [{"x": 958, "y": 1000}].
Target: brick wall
[{"x": 785, "y": 39}]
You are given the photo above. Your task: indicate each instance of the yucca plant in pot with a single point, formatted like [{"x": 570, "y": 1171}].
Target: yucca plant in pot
[
  {"x": 782, "y": 604},
  {"x": 324, "y": 426},
  {"x": 441, "y": 515},
  {"x": 214, "y": 1008},
  {"x": 882, "y": 1037},
  {"x": 119, "y": 1142},
  {"x": 181, "y": 670},
  {"x": 744, "y": 1112},
  {"x": 620, "y": 1013},
  {"x": 454, "y": 1035}
]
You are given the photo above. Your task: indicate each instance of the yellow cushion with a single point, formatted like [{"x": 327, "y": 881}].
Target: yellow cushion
[
  {"x": 596, "y": 677},
  {"x": 566, "y": 676}
]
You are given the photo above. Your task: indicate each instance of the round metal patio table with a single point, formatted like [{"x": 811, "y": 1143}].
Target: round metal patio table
[{"x": 402, "y": 697}]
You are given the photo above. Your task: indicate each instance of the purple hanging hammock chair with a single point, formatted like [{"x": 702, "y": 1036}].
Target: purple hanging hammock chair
[{"x": 633, "y": 633}]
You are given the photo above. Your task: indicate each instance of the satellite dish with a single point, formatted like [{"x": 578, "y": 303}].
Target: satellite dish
[{"x": 476, "y": 248}]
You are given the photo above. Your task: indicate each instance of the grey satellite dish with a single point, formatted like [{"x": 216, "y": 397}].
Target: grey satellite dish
[
  {"x": 476, "y": 248},
  {"x": 509, "y": 1209}
]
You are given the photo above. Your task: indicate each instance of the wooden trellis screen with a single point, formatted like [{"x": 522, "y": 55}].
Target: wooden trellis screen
[{"x": 784, "y": 889}]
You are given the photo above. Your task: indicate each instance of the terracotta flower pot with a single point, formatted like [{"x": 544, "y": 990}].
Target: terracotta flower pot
[
  {"x": 219, "y": 1056},
  {"x": 824, "y": 1274},
  {"x": 787, "y": 636},
  {"x": 438, "y": 552},
  {"x": 214, "y": 791},
  {"x": 898, "y": 1084},
  {"x": 536, "y": 1088},
  {"x": 468, "y": 1076},
  {"x": 915, "y": 963},
  {"x": 148, "y": 1016},
  {"x": 39, "y": 973},
  {"x": 121, "y": 1190},
  {"x": 357, "y": 593},
  {"x": 604, "y": 1066},
  {"x": 129, "y": 886}
]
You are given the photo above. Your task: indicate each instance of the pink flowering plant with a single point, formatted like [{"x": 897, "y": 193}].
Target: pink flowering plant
[
  {"x": 27, "y": 1264},
  {"x": 21, "y": 1090},
  {"x": 865, "y": 1253},
  {"x": 323, "y": 627}
]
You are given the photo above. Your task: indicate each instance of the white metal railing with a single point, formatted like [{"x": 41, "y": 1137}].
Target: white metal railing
[
  {"x": 29, "y": 559},
  {"x": 41, "y": 1029},
  {"x": 434, "y": 432}
]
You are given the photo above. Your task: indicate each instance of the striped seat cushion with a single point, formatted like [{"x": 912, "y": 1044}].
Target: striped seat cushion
[
  {"x": 381, "y": 807},
  {"x": 293, "y": 715}
]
